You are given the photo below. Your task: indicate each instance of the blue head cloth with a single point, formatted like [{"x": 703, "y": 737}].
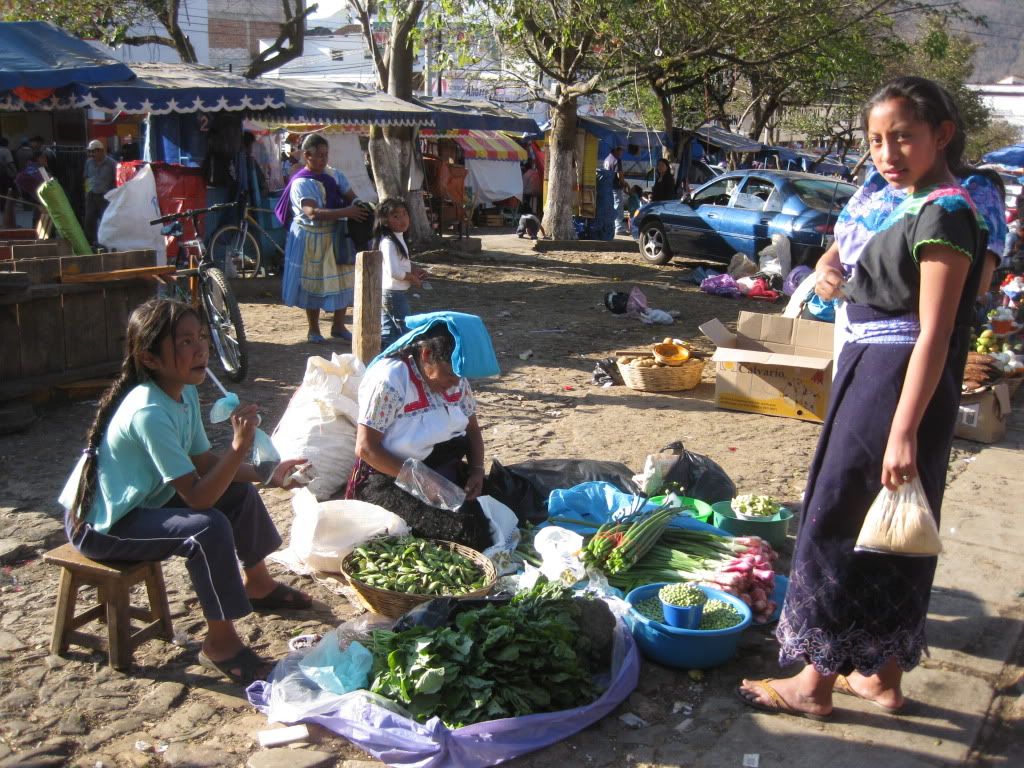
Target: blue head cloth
[{"x": 473, "y": 357}]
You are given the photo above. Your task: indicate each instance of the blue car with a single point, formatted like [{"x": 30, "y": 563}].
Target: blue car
[{"x": 739, "y": 212}]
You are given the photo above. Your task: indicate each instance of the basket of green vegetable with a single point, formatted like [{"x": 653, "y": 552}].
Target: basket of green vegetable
[
  {"x": 714, "y": 642},
  {"x": 392, "y": 576}
]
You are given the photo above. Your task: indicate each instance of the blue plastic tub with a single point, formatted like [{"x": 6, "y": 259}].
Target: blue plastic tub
[{"x": 685, "y": 648}]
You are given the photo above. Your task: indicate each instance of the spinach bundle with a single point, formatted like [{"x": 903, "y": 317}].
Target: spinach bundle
[{"x": 524, "y": 657}]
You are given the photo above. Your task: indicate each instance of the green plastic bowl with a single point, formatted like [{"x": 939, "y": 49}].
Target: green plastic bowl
[
  {"x": 772, "y": 529},
  {"x": 704, "y": 510}
]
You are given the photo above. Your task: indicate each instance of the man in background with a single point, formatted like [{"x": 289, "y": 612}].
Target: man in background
[
  {"x": 100, "y": 175},
  {"x": 613, "y": 163}
]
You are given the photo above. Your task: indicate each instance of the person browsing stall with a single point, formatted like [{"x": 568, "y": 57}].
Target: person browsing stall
[
  {"x": 415, "y": 402},
  {"x": 100, "y": 177},
  {"x": 318, "y": 258},
  {"x": 857, "y": 619},
  {"x": 613, "y": 163},
  {"x": 149, "y": 487}
]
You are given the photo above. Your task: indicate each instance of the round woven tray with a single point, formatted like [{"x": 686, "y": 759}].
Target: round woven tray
[
  {"x": 394, "y": 604},
  {"x": 672, "y": 378}
]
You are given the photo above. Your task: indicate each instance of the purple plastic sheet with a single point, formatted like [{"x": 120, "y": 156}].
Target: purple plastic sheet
[
  {"x": 721, "y": 285},
  {"x": 380, "y": 728}
]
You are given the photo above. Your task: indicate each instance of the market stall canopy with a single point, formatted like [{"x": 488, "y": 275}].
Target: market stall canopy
[
  {"x": 613, "y": 132},
  {"x": 727, "y": 140},
  {"x": 1011, "y": 157},
  {"x": 39, "y": 55},
  {"x": 162, "y": 89},
  {"x": 484, "y": 145},
  {"x": 466, "y": 114},
  {"x": 315, "y": 102}
]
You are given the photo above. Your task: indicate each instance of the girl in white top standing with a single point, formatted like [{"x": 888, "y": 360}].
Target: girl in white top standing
[{"x": 399, "y": 272}]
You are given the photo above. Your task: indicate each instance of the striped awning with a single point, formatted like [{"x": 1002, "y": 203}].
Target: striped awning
[{"x": 487, "y": 145}]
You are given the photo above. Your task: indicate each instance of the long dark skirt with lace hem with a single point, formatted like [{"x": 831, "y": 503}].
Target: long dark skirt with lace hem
[{"x": 847, "y": 610}]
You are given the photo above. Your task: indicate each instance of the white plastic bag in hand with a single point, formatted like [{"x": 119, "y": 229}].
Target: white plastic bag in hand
[{"x": 900, "y": 522}]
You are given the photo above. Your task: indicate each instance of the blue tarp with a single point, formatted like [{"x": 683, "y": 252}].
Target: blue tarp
[
  {"x": 37, "y": 54},
  {"x": 613, "y": 133},
  {"x": 727, "y": 140},
  {"x": 1012, "y": 157},
  {"x": 464, "y": 114},
  {"x": 162, "y": 89}
]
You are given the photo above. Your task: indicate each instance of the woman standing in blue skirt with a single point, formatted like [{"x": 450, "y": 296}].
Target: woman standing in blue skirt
[
  {"x": 857, "y": 619},
  {"x": 318, "y": 271}
]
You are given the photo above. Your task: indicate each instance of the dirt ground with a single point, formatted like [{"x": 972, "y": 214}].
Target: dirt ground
[{"x": 549, "y": 325}]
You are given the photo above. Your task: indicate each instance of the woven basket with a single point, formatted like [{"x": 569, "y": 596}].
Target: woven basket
[
  {"x": 394, "y": 604},
  {"x": 672, "y": 378}
]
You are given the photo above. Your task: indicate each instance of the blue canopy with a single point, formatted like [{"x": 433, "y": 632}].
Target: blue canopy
[
  {"x": 36, "y": 54},
  {"x": 456, "y": 114},
  {"x": 1012, "y": 157},
  {"x": 319, "y": 102},
  {"x": 727, "y": 140},
  {"x": 162, "y": 89},
  {"x": 612, "y": 133}
]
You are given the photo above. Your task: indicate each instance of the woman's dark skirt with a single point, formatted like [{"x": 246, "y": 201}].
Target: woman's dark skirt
[
  {"x": 847, "y": 610},
  {"x": 467, "y": 526}
]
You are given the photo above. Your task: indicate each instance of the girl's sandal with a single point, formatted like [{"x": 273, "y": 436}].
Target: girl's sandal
[
  {"x": 244, "y": 668},
  {"x": 282, "y": 598},
  {"x": 777, "y": 704}
]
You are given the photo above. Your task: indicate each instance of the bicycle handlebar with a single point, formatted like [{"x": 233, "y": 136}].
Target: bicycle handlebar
[{"x": 193, "y": 213}]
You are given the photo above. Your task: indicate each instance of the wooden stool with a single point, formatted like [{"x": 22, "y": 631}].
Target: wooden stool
[{"x": 113, "y": 582}]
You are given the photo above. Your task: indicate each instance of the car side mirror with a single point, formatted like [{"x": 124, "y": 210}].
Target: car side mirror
[{"x": 686, "y": 200}]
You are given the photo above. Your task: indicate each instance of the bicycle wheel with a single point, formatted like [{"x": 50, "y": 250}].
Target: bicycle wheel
[
  {"x": 226, "y": 327},
  {"x": 238, "y": 247}
]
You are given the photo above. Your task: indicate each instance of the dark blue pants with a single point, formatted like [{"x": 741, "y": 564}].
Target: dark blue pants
[
  {"x": 394, "y": 309},
  {"x": 212, "y": 541}
]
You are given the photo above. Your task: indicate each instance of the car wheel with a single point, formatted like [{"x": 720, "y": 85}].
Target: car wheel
[{"x": 653, "y": 244}]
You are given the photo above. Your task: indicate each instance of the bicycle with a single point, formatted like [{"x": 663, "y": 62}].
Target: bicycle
[
  {"x": 207, "y": 289},
  {"x": 237, "y": 244}
]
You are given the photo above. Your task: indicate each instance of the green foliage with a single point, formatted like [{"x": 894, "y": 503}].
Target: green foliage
[
  {"x": 995, "y": 135},
  {"x": 493, "y": 662},
  {"x": 105, "y": 20}
]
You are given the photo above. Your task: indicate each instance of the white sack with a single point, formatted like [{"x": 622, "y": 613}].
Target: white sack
[
  {"x": 319, "y": 423},
  {"x": 323, "y": 534},
  {"x": 494, "y": 180},
  {"x": 125, "y": 224},
  {"x": 345, "y": 154}
]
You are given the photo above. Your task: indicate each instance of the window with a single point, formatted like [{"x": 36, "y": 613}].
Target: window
[
  {"x": 337, "y": 54},
  {"x": 756, "y": 194},
  {"x": 716, "y": 193},
  {"x": 823, "y": 195}
]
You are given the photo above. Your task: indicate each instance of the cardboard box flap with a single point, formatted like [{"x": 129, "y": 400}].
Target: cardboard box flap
[
  {"x": 732, "y": 355},
  {"x": 718, "y": 333},
  {"x": 1002, "y": 393}
]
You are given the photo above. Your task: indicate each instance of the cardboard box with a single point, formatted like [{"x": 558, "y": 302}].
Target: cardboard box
[
  {"x": 982, "y": 416},
  {"x": 773, "y": 365}
]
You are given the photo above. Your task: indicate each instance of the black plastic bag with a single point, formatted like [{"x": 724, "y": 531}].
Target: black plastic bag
[
  {"x": 700, "y": 477},
  {"x": 524, "y": 488},
  {"x": 606, "y": 373}
]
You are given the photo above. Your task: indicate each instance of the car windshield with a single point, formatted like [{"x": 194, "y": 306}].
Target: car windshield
[{"x": 823, "y": 194}]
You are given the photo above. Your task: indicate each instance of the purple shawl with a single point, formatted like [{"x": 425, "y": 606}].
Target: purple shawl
[{"x": 283, "y": 211}]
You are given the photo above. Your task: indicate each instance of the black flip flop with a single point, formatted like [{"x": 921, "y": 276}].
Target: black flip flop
[
  {"x": 250, "y": 667},
  {"x": 282, "y": 598}
]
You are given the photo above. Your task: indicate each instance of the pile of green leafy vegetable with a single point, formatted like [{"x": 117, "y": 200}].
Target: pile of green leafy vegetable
[{"x": 537, "y": 653}]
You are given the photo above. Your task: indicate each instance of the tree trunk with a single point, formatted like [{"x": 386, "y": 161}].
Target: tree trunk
[
  {"x": 667, "y": 118},
  {"x": 560, "y": 199},
  {"x": 392, "y": 153}
]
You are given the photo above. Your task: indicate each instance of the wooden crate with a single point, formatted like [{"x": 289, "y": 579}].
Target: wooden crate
[
  {"x": 20, "y": 248},
  {"x": 59, "y": 332}
]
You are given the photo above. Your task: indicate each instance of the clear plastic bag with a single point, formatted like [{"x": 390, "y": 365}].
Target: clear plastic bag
[
  {"x": 900, "y": 522},
  {"x": 419, "y": 480}
]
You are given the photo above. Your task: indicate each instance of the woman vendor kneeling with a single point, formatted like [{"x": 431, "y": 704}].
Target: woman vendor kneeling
[{"x": 415, "y": 402}]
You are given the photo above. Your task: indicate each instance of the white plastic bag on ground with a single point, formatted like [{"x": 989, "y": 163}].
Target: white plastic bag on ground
[
  {"x": 319, "y": 423},
  {"x": 324, "y": 533},
  {"x": 741, "y": 266},
  {"x": 776, "y": 259},
  {"x": 557, "y": 548},
  {"x": 504, "y": 531},
  {"x": 125, "y": 224}
]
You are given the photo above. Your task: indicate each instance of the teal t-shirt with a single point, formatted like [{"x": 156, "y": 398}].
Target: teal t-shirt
[{"x": 147, "y": 445}]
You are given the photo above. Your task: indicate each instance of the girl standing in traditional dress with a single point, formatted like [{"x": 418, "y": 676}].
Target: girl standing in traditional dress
[
  {"x": 857, "y": 619},
  {"x": 318, "y": 272}
]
